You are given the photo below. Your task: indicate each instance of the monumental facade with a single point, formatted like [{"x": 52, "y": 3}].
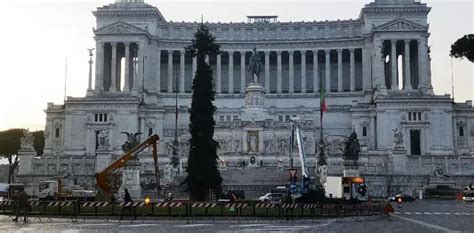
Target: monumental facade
[{"x": 375, "y": 71}]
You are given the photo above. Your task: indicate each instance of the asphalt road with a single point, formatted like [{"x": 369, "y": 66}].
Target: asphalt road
[{"x": 419, "y": 216}]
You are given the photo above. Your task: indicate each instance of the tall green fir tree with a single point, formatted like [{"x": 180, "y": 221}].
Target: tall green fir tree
[{"x": 203, "y": 175}]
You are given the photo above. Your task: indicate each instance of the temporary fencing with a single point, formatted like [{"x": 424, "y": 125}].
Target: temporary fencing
[{"x": 180, "y": 209}]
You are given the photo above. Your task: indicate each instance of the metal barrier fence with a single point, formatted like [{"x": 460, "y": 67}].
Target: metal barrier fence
[{"x": 76, "y": 209}]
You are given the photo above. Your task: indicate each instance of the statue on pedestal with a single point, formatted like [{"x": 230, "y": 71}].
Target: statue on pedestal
[
  {"x": 397, "y": 138},
  {"x": 351, "y": 147},
  {"x": 132, "y": 141},
  {"x": 104, "y": 144},
  {"x": 26, "y": 142},
  {"x": 255, "y": 65}
]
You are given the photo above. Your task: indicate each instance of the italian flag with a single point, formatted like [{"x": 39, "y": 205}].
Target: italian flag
[{"x": 324, "y": 107}]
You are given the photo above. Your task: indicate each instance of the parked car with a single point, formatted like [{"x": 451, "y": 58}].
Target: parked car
[
  {"x": 232, "y": 196},
  {"x": 403, "y": 197},
  {"x": 271, "y": 197}
]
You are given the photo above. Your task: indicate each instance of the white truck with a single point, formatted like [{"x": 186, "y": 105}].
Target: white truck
[
  {"x": 346, "y": 187},
  {"x": 333, "y": 187},
  {"x": 53, "y": 190}
]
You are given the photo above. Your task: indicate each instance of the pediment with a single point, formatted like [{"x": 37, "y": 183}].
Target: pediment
[
  {"x": 120, "y": 28},
  {"x": 400, "y": 25}
]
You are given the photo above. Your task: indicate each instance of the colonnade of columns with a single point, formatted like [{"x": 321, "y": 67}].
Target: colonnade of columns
[
  {"x": 346, "y": 65},
  {"x": 265, "y": 77},
  {"x": 415, "y": 64},
  {"x": 109, "y": 66}
]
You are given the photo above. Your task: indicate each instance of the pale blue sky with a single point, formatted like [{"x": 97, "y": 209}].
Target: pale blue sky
[{"x": 37, "y": 36}]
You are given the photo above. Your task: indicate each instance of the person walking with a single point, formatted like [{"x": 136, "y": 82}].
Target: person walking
[
  {"x": 21, "y": 199},
  {"x": 127, "y": 201}
]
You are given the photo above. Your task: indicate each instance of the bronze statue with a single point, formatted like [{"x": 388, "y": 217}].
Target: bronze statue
[
  {"x": 351, "y": 147},
  {"x": 255, "y": 65},
  {"x": 133, "y": 140}
]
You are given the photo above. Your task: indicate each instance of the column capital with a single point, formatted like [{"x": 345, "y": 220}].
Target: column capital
[
  {"x": 327, "y": 51},
  {"x": 406, "y": 41},
  {"x": 170, "y": 51},
  {"x": 339, "y": 50},
  {"x": 114, "y": 44},
  {"x": 126, "y": 44},
  {"x": 393, "y": 41},
  {"x": 278, "y": 52},
  {"x": 315, "y": 51},
  {"x": 351, "y": 50},
  {"x": 266, "y": 52},
  {"x": 421, "y": 40},
  {"x": 291, "y": 52},
  {"x": 182, "y": 51},
  {"x": 242, "y": 52},
  {"x": 230, "y": 52}
]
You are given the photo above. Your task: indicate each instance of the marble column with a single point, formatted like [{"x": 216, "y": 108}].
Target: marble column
[
  {"x": 242, "y": 71},
  {"x": 140, "y": 63},
  {"x": 126, "y": 86},
  {"x": 423, "y": 82},
  {"x": 366, "y": 69},
  {"x": 267, "y": 71},
  {"x": 279, "y": 72},
  {"x": 303, "y": 71},
  {"x": 372, "y": 132},
  {"x": 218, "y": 74},
  {"x": 379, "y": 68},
  {"x": 194, "y": 66},
  {"x": 170, "y": 71},
  {"x": 407, "y": 66},
  {"x": 89, "y": 86},
  {"x": 158, "y": 70},
  {"x": 291, "y": 72},
  {"x": 394, "y": 63},
  {"x": 352, "y": 69},
  {"x": 113, "y": 73},
  {"x": 99, "y": 67},
  {"x": 328, "y": 70},
  {"x": 339, "y": 71},
  {"x": 231, "y": 72},
  {"x": 181, "y": 75},
  {"x": 315, "y": 71}
]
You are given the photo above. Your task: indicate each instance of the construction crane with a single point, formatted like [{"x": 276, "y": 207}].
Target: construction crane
[
  {"x": 295, "y": 126},
  {"x": 102, "y": 177}
]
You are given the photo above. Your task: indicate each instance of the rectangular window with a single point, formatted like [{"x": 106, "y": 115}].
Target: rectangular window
[
  {"x": 221, "y": 118},
  {"x": 56, "y": 134},
  {"x": 227, "y": 118},
  {"x": 280, "y": 118},
  {"x": 364, "y": 131},
  {"x": 100, "y": 117},
  {"x": 409, "y": 116},
  {"x": 419, "y": 116},
  {"x": 150, "y": 131},
  {"x": 415, "y": 142},
  {"x": 96, "y": 119},
  {"x": 287, "y": 117},
  {"x": 461, "y": 131},
  {"x": 236, "y": 118},
  {"x": 105, "y": 117}
]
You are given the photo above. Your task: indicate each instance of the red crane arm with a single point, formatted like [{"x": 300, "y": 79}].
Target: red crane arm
[{"x": 101, "y": 177}]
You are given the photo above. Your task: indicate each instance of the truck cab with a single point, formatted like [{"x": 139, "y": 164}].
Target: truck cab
[{"x": 48, "y": 189}]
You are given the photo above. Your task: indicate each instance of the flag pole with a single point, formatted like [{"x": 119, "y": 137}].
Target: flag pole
[{"x": 175, "y": 143}]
